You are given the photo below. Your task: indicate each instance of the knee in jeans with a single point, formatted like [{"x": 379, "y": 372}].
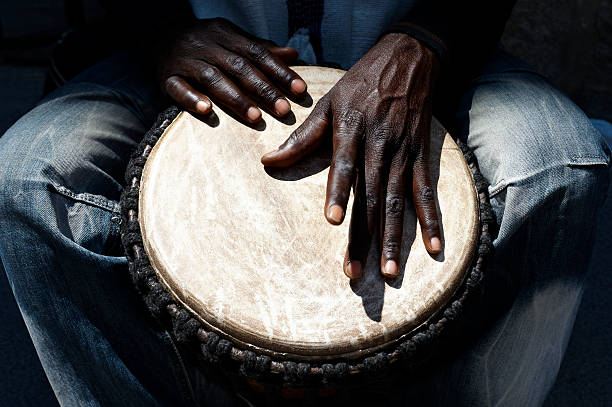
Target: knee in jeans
[{"x": 520, "y": 126}]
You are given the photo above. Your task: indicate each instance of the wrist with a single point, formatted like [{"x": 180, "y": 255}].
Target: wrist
[
  {"x": 422, "y": 34},
  {"x": 417, "y": 49}
]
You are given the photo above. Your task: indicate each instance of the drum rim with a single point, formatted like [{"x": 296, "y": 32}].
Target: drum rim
[{"x": 190, "y": 330}]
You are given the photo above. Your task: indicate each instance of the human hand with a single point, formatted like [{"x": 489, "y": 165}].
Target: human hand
[
  {"x": 381, "y": 115},
  {"x": 216, "y": 58}
]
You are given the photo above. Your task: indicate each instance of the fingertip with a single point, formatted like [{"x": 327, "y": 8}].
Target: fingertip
[
  {"x": 335, "y": 214},
  {"x": 434, "y": 246},
  {"x": 254, "y": 114},
  {"x": 353, "y": 269},
  {"x": 298, "y": 86},
  {"x": 390, "y": 270},
  {"x": 203, "y": 106},
  {"x": 268, "y": 157},
  {"x": 282, "y": 107}
]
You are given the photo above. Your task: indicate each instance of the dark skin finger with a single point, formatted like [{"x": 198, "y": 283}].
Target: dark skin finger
[
  {"x": 393, "y": 221},
  {"x": 303, "y": 140},
  {"x": 223, "y": 90},
  {"x": 270, "y": 63},
  {"x": 423, "y": 196},
  {"x": 347, "y": 129},
  {"x": 242, "y": 68},
  {"x": 250, "y": 79},
  {"x": 186, "y": 96}
]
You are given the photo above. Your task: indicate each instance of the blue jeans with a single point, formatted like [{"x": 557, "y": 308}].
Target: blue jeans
[{"x": 59, "y": 189}]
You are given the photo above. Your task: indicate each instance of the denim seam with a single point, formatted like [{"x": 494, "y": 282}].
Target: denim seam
[
  {"x": 592, "y": 156},
  {"x": 503, "y": 183},
  {"x": 85, "y": 197}
]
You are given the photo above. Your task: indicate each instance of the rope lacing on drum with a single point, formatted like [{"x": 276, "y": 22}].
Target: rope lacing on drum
[{"x": 214, "y": 349}]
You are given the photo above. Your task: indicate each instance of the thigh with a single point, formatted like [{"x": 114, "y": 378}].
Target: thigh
[
  {"x": 59, "y": 218},
  {"x": 547, "y": 169}
]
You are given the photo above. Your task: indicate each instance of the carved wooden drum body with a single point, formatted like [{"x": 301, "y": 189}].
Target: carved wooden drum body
[{"x": 239, "y": 260}]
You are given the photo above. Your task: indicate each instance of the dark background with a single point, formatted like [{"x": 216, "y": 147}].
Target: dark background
[{"x": 569, "y": 41}]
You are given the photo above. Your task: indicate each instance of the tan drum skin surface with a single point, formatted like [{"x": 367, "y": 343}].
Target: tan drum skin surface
[{"x": 249, "y": 251}]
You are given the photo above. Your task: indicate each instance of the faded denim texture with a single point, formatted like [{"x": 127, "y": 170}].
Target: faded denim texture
[{"x": 60, "y": 181}]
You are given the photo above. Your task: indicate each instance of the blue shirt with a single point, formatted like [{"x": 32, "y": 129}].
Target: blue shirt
[{"x": 348, "y": 29}]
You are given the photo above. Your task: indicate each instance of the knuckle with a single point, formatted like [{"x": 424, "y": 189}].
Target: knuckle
[
  {"x": 371, "y": 200},
  {"x": 391, "y": 246},
  {"x": 258, "y": 52},
  {"x": 431, "y": 224},
  {"x": 382, "y": 131},
  {"x": 236, "y": 99},
  {"x": 171, "y": 85},
  {"x": 394, "y": 205},
  {"x": 237, "y": 64},
  {"x": 210, "y": 75},
  {"x": 424, "y": 195},
  {"x": 283, "y": 74},
  {"x": 266, "y": 91},
  {"x": 352, "y": 118},
  {"x": 297, "y": 136}
]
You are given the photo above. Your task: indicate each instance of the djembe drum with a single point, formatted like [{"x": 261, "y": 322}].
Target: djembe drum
[{"x": 239, "y": 263}]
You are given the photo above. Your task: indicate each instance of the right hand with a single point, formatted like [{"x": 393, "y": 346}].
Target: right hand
[{"x": 216, "y": 59}]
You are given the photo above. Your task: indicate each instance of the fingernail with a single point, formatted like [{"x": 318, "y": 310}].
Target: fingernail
[
  {"x": 282, "y": 107},
  {"x": 436, "y": 245},
  {"x": 253, "y": 114},
  {"x": 298, "y": 86},
  {"x": 202, "y": 106},
  {"x": 335, "y": 213},
  {"x": 353, "y": 269},
  {"x": 390, "y": 269}
]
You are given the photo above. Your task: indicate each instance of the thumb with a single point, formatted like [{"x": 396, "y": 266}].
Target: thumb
[{"x": 304, "y": 140}]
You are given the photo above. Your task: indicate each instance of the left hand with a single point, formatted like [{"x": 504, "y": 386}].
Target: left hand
[{"x": 381, "y": 114}]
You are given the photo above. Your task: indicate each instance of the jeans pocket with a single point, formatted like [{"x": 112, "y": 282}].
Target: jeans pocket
[{"x": 89, "y": 220}]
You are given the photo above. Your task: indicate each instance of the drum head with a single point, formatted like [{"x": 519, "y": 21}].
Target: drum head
[{"x": 249, "y": 252}]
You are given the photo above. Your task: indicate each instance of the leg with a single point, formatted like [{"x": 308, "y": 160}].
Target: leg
[
  {"x": 546, "y": 165},
  {"x": 59, "y": 186}
]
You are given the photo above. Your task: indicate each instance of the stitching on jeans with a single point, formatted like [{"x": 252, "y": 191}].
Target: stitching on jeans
[
  {"x": 597, "y": 156},
  {"x": 504, "y": 183},
  {"x": 85, "y": 197},
  {"x": 497, "y": 188}
]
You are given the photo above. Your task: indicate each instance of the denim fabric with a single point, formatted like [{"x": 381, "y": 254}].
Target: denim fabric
[
  {"x": 547, "y": 169},
  {"x": 61, "y": 177},
  {"x": 59, "y": 214}
]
